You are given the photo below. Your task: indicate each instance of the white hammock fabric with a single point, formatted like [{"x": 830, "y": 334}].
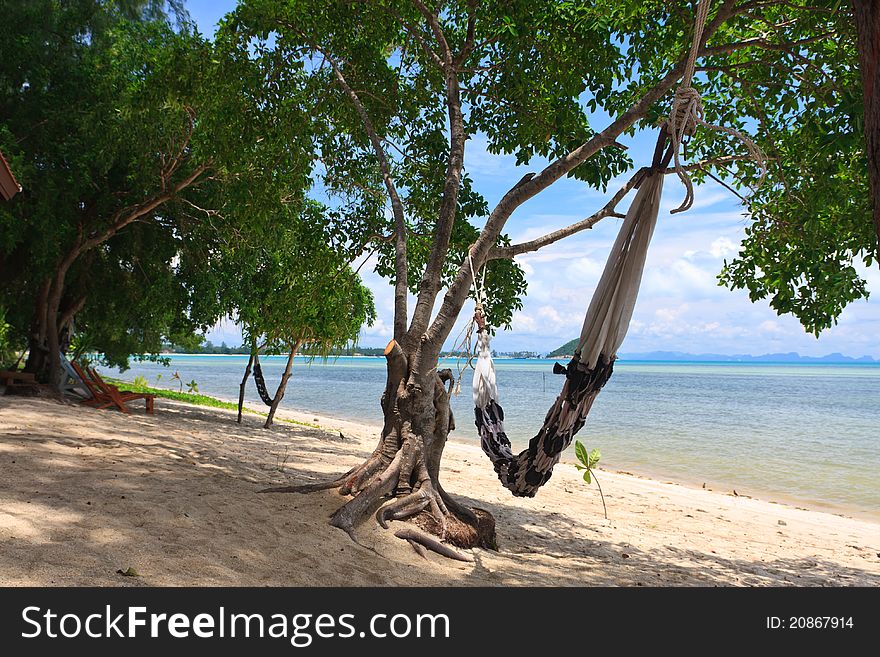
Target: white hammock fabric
[{"x": 604, "y": 329}]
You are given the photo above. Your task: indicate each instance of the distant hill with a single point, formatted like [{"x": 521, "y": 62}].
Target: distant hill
[
  {"x": 565, "y": 350},
  {"x": 791, "y": 357}
]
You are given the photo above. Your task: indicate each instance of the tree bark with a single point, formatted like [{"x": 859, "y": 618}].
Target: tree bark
[
  {"x": 243, "y": 384},
  {"x": 36, "y": 360},
  {"x": 867, "y": 17},
  {"x": 400, "y": 481},
  {"x": 45, "y": 344},
  {"x": 282, "y": 386}
]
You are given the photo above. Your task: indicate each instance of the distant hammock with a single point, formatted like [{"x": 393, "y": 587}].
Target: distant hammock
[{"x": 261, "y": 382}]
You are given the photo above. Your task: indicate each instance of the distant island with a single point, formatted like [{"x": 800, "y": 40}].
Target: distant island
[
  {"x": 210, "y": 348},
  {"x": 565, "y": 351},
  {"x": 568, "y": 348}
]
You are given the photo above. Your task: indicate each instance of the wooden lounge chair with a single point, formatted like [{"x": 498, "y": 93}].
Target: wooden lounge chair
[
  {"x": 105, "y": 395},
  {"x": 119, "y": 397}
]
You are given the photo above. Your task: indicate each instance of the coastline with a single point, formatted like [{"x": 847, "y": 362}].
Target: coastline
[
  {"x": 641, "y": 472},
  {"x": 771, "y": 497},
  {"x": 175, "y": 497}
]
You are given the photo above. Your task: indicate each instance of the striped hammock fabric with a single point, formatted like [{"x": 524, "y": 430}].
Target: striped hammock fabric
[{"x": 604, "y": 329}]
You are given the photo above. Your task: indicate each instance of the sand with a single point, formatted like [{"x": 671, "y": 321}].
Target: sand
[{"x": 87, "y": 493}]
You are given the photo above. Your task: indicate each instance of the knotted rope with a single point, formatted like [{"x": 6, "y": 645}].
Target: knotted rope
[{"x": 687, "y": 113}]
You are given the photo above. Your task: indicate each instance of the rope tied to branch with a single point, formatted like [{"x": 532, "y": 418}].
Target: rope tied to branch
[
  {"x": 464, "y": 342},
  {"x": 688, "y": 113}
]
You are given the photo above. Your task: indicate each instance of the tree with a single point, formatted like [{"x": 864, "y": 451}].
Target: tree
[
  {"x": 293, "y": 289},
  {"x": 812, "y": 223},
  {"x": 118, "y": 124},
  {"x": 867, "y": 19},
  {"x": 400, "y": 85}
]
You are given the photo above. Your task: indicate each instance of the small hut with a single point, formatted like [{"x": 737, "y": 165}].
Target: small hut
[{"x": 9, "y": 186}]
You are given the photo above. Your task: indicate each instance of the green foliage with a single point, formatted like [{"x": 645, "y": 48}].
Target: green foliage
[
  {"x": 192, "y": 387},
  {"x": 294, "y": 285},
  {"x": 188, "y": 397},
  {"x": 104, "y": 107},
  {"x": 812, "y": 224},
  {"x": 586, "y": 460},
  {"x": 543, "y": 73},
  {"x": 193, "y": 398},
  {"x": 811, "y": 220},
  {"x": 8, "y": 350},
  {"x": 140, "y": 381},
  {"x": 405, "y": 101}
]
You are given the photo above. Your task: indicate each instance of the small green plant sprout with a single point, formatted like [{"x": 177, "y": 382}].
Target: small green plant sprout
[
  {"x": 159, "y": 377},
  {"x": 586, "y": 462},
  {"x": 192, "y": 387},
  {"x": 176, "y": 376},
  {"x": 140, "y": 381}
]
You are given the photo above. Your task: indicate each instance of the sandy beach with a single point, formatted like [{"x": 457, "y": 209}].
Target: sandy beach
[{"x": 85, "y": 494}]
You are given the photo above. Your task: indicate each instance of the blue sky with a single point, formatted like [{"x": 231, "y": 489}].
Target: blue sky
[{"x": 680, "y": 306}]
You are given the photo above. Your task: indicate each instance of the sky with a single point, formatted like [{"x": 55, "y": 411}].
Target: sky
[{"x": 680, "y": 305}]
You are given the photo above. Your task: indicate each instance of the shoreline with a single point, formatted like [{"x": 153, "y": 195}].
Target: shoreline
[
  {"x": 87, "y": 493},
  {"x": 547, "y": 359},
  {"x": 472, "y": 446},
  {"x": 771, "y": 497}
]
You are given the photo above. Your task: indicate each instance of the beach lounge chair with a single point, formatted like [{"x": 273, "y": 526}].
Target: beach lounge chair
[
  {"x": 105, "y": 395},
  {"x": 71, "y": 381},
  {"x": 120, "y": 397}
]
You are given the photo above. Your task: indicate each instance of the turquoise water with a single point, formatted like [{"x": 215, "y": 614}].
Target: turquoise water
[{"x": 807, "y": 433}]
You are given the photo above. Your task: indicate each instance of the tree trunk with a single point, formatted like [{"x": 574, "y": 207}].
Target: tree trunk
[
  {"x": 45, "y": 343},
  {"x": 243, "y": 385},
  {"x": 401, "y": 478},
  {"x": 867, "y": 15},
  {"x": 282, "y": 386},
  {"x": 37, "y": 350}
]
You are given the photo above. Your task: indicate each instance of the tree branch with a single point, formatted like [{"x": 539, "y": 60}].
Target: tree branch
[
  {"x": 400, "y": 264},
  {"x": 761, "y": 42},
  {"x": 429, "y": 286},
  {"x": 413, "y": 32},
  {"x": 457, "y": 293},
  {"x": 470, "y": 34},
  {"x": 125, "y": 216},
  {"x": 609, "y": 210},
  {"x": 434, "y": 24},
  {"x": 550, "y": 238}
]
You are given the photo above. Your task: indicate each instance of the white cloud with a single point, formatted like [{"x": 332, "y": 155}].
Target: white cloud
[{"x": 723, "y": 247}]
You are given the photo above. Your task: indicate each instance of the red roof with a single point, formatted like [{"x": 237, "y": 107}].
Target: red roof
[{"x": 9, "y": 186}]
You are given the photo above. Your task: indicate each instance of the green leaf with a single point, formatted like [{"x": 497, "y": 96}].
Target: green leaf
[
  {"x": 587, "y": 477},
  {"x": 581, "y": 453}
]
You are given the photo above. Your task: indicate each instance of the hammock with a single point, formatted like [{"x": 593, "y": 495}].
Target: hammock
[
  {"x": 261, "y": 383},
  {"x": 604, "y": 328},
  {"x": 610, "y": 309}
]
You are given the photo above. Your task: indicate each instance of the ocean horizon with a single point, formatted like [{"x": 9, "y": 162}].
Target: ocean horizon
[{"x": 790, "y": 432}]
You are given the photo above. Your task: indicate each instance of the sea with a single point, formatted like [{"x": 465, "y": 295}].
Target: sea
[{"x": 795, "y": 433}]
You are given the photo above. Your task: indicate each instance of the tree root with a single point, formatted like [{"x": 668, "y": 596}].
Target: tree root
[
  {"x": 459, "y": 509},
  {"x": 311, "y": 488},
  {"x": 419, "y": 549},
  {"x": 353, "y": 511},
  {"x": 414, "y": 535}
]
